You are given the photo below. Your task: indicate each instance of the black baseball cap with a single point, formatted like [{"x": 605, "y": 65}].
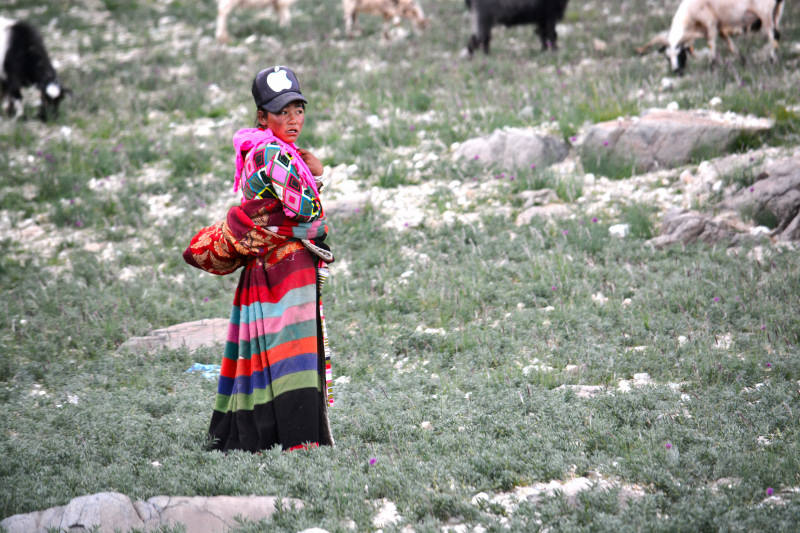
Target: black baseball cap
[{"x": 275, "y": 87}]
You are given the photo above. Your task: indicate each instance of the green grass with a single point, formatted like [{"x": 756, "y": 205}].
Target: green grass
[
  {"x": 607, "y": 163},
  {"x": 440, "y": 323}
]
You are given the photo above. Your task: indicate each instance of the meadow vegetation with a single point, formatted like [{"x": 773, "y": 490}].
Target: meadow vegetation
[{"x": 457, "y": 345}]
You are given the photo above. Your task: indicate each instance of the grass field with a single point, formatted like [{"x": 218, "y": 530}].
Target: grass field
[{"x": 460, "y": 340}]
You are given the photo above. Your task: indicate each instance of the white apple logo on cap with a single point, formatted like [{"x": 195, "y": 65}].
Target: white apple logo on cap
[{"x": 278, "y": 81}]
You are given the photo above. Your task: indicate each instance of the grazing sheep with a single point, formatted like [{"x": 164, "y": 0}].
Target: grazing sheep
[
  {"x": 705, "y": 19},
  {"x": 224, "y": 7},
  {"x": 390, "y": 10},
  {"x": 487, "y": 13},
  {"x": 25, "y": 63}
]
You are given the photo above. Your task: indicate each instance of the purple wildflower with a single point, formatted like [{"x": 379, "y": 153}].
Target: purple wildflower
[
  {"x": 769, "y": 365},
  {"x": 373, "y": 460},
  {"x": 770, "y": 491},
  {"x": 205, "y": 299},
  {"x": 565, "y": 232},
  {"x": 553, "y": 287},
  {"x": 594, "y": 219},
  {"x": 476, "y": 156},
  {"x": 716, "y": 298},
  {"x": 668, "y": 445},
  {"x": 605, "y": 143}
]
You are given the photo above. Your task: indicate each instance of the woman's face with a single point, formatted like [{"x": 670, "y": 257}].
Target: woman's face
[{"x": 287, "y": 123}]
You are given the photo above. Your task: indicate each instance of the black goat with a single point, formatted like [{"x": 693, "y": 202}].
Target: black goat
[
  {"x": 487, "y": 13},
  {"x": 25, "y": 63}
]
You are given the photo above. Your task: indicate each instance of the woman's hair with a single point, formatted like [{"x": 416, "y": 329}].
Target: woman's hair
[{"x": 257, "y": 124}]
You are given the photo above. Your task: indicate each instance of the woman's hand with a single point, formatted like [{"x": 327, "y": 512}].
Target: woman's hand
[{"x": 314, "y": 164}]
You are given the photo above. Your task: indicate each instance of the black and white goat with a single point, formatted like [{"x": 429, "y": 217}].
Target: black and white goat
[
  {"x": 25, "y": 63},
  {"x": 487, "y": 13}
]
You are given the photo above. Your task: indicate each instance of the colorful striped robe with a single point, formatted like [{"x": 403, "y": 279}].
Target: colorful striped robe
[{"x": 272, "y": 387}]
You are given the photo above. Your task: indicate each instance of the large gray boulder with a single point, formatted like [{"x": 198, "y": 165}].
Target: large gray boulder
[
  {"x": 685, "y": 226},
  {"x": 661, "y": 138},
  {"x": 514, "y": 148},
  {"x": 192, "y": 335},
  {"x": 111, "y": 511},
  {"x": 775, "y": 195}
]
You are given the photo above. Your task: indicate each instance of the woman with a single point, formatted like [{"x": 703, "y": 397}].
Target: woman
[{"x": 273, "y": 388}]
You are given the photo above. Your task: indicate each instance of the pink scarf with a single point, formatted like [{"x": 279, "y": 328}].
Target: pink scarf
[{"x": 248, "y": 138}]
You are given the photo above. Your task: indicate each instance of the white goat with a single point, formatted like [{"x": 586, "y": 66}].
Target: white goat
[
  {"x": 705, "y": 19},
  {"x": 224, "y": 7},
  {"x": 390, "y": 10}
]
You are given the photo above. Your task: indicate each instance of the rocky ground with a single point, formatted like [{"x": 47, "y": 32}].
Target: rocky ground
[{"x": 691, "y": 201}]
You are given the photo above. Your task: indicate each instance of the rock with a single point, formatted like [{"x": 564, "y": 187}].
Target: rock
[
  {"x": 211, "y": 514},
  {"x": 106, "y": 510},
  {"x": 619, "y": 230},
  {"x": 585, "y": 391},
  {"x": 514, "y": 148},
  {"x": 193, "y": 335},
  {"x": 660, "y": 138},
  {"x": 538, "y": 197},
  {"x": 777, "y": 190},
  {"x": 544, "y": 211},
  {"x": 387, "y": 515},
  {"x": 569, "y": 489},
  {"x": 111, "y": 511},
  {"x": 599, "y": 45},
  {"x": 347, "y": 206},
  {"x": 685, "y": 226}
]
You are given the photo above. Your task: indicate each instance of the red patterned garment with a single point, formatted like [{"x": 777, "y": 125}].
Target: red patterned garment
[{"x": 272, "y": 388}]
